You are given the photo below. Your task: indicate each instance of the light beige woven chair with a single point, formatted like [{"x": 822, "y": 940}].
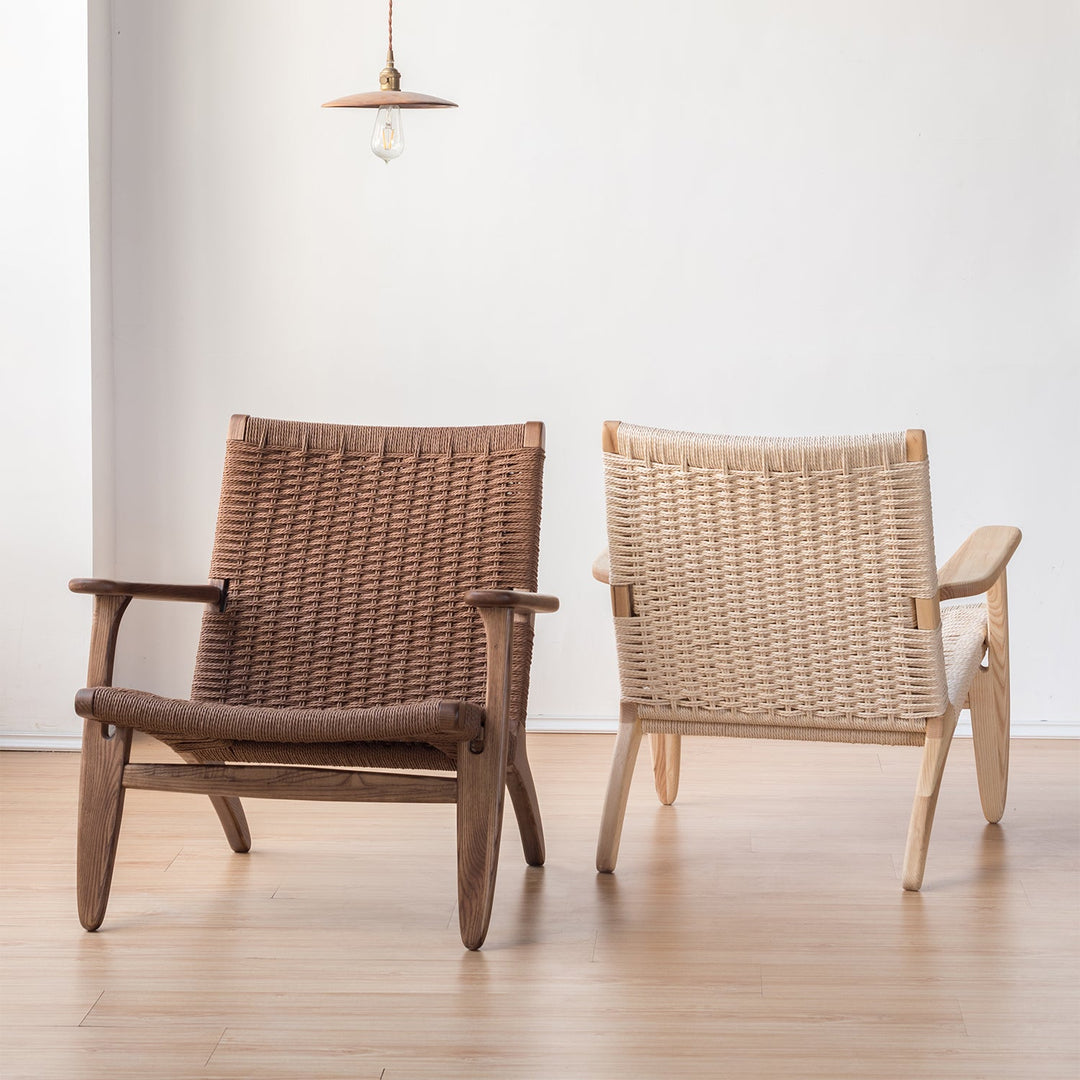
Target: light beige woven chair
[
  {"x": 786, "y": 588},
  {"x": 365, "y": 612}
]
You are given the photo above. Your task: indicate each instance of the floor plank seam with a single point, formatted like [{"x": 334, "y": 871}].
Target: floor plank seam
[
  {"x": 224, "y": 1032},
  {"x": 963, "y": 1019},
  {"x": 1023, "y": 889},
  {"x": 82, "y": 1022}
]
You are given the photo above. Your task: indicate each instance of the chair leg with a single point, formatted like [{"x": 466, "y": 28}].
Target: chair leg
[
  {"x": 231, "y": 814},
  {"x": 990, "y": 734},
  {"x": 519, "y": 781},
  {"x": 101, "y": 807},
  {"x": 481, "y": 790},
  {"x": 989, "y": 701},
  {"x": 233, "y": 820},
  {"x": 666, "y": 751},
  {"x": 627, "y": 743},
  {"x": 481, "y": 794},
  {"x": 939, "y": 733}
]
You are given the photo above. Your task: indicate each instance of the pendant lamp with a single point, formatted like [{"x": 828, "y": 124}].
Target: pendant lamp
[{"x": 388, "y": 136}]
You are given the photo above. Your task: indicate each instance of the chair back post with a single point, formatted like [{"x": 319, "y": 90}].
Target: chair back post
[
  {"x": 927, "y": 608},
  {"x": 622, "y": 596}
]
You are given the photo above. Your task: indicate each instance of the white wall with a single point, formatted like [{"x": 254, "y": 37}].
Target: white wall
[
  {"x": 45, "y": 493},
  {"x": 750, "y": 216}
]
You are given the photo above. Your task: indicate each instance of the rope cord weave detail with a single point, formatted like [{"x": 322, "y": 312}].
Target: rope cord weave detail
[
  {"x": 348, "y": 551},
  {"x": 774, "y": 577}
]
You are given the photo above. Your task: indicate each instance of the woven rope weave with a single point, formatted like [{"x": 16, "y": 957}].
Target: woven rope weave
[
  {"x": 348, "y": 552},
  {"x": 244, "y": 733},
  {"x": 418, "y": 721},
  {"x": 964, "y": 639},
  {"x": 773, "y": 580}
]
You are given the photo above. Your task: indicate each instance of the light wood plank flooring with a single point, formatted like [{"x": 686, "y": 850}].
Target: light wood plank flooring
[{"x": 755, "y": 929}]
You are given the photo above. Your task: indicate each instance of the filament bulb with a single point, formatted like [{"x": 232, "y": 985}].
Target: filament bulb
[{"x": 388, "y": 136}]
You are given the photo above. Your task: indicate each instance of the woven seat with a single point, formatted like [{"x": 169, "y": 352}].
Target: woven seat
[
  {"x": 370, "y": 606},
  {"x": 787, "y": 588},
  {"x": 963, "y": 640},
  {"x": 421, "y": 735}
]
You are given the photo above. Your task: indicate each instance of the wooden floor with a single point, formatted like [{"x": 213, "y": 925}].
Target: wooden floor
[{"x": 755, "y": 929}]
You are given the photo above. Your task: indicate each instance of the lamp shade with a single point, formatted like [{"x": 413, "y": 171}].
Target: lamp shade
[{"x": 377, "y": 99}]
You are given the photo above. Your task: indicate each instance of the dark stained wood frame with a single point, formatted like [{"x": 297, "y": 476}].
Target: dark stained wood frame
[
  {"x": 484, "y": 770},
  {"x": 214, "y": 593}
]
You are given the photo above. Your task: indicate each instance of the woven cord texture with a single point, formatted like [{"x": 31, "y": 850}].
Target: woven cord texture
[
  {"x": 774, "y": 577},
  {"x": 963, "y": 633},
  {"x": 225, "y": 733},
  {"x": 348, "y": 552},
  {"x": 772, "y": 726},
  {"x": 165, "y": 716}
]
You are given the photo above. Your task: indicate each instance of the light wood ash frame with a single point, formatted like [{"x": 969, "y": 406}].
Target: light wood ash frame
[
  {"x": 977, "y": 567},
  {"x": 485, "y": 764}
]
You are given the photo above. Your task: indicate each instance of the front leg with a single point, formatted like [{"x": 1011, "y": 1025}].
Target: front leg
[
  {"x": 105, "y": 752},
  {"x": 989, "y": 699},
  {"x": 481, "y": 773}
]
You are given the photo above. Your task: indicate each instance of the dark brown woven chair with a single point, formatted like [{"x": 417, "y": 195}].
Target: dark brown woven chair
[{"x": 371, "y": 607}]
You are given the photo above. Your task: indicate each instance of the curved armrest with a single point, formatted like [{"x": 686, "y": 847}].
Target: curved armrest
[
  {"x": 601, "y": 567},
  {"x": 978, "y": 562},
  {"x": 511, "y": 598},
  {"x": 111, "y": 599},
  {"x": 198, "y": 594}
]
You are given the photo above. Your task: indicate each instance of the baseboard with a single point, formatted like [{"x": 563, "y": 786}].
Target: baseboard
[
  {"x": 574, "y": 725},
  {"x": 568, "y": 725},
  {"x": 41, "y": 741},
  {"x": 580, "y": 725},
  {"x": 1046, "y": 729}
]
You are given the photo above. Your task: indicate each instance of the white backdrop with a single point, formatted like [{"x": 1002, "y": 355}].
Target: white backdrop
[
  {"x": 747, "y": 216},
  {"x": 45, "y": 436}
]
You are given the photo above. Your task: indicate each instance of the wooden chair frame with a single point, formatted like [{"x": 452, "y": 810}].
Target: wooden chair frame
[
  {"x": 484, "y": 770},
  {"x": 978, "y": 567}
]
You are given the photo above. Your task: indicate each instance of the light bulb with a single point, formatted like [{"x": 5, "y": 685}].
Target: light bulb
[{"x": 388, "y": 136}]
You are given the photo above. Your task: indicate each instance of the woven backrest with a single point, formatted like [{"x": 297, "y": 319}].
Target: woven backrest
[
  {"x": 773, "y": 576},
  {"x": 347, "y": 552}
]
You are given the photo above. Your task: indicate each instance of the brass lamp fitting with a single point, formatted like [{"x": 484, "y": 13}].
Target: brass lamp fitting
[{"x": 390, "y": 77}]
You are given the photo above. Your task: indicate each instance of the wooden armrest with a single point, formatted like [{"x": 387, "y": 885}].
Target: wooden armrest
[
  {"x": 601, "y": 567},
  {"x": 197, "y": 594},
  {"x": 978, "y": 562},
  {"x": 511, "y": 598}
]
